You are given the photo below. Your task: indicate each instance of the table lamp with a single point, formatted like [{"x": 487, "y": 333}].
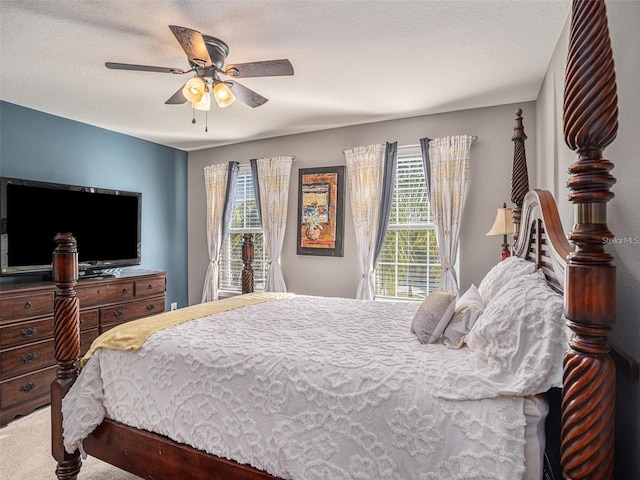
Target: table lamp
[{"x": 503, "y": 225}]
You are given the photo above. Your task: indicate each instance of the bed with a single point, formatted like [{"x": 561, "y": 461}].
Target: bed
[{"x": 584, "y": 275}]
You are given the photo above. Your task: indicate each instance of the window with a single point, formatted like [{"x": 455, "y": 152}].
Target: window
[
  {"x": 409, "y": 267},
  {"x": 245, "y": 220}
]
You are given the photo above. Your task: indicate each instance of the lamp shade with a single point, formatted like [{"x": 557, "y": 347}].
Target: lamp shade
[
  {"x": 204, "y": 103},
  {"x": 502, "y": 225},
  {"x": 194, "y": 89},
  {"x": 223, "y": 94}
]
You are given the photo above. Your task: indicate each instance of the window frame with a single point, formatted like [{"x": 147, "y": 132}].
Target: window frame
[
  {"x": 227, "y": 270},
  {"x": 433, "y": 266}
]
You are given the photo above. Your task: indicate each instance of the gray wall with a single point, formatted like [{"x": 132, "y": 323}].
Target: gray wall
[
  {"x": 489, "y": 187},
  {"x": 624, "y": 216},
  {"x": 38, "y": 146}
]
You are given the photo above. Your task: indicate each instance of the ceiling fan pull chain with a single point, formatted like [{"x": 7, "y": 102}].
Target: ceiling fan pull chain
[
  {"x": 206, "y": 121},
  {"x": 193, "y": 111}
]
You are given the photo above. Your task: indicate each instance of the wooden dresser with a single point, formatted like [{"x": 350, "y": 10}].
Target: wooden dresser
[{"x": 27, "y": 361}]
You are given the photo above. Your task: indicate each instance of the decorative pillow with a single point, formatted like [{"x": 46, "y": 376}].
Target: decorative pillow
[
  {"x": 503, "y": 273},
  {"x": 468, "y": 308},
  {"x": 520, "y": 339},
  {"x": 433, "y": 316}
]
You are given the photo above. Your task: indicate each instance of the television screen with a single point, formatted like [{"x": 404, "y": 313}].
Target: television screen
[{"x": 105, "y": 223}]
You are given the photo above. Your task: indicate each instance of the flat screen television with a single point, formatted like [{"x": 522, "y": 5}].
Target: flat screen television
[{"x": 105, "y": 223}]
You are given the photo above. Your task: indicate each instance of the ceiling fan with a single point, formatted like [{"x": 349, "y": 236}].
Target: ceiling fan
[{"x": 207, "y": 57}]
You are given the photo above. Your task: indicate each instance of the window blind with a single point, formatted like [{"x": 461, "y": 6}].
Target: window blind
[{"x": 409, "y": 267}]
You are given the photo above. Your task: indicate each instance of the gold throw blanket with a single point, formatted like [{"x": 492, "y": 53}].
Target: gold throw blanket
[{"x": 131, "y": 335}]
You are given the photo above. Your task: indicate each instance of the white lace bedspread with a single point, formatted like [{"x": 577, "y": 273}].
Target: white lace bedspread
[{"x": 308, "y": 388}]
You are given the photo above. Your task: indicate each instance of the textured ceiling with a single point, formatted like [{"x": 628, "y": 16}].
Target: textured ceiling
[{"x": 355, "y": 61}]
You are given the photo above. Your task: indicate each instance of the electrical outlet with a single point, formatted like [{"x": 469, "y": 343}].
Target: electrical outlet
[{"x": 174, "y": 305}]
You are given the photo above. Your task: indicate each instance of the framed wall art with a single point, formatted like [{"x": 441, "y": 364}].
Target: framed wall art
[{"x": 321, "y": 211}]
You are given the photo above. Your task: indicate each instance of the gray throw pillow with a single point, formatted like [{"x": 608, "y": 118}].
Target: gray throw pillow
[{"x": 433, "y": 316}]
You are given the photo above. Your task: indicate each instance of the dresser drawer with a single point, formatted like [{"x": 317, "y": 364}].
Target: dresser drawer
[
  {"x": 26, "y": 387},
  {"x": 18, "y": 360},
  {"x": 25, "y": 306},
  {"x": 26, "y": 332},
  {"x": 15, "y": 361},
  {"x": 104, "y": 293},
  {"x": 149, "y": 287},
  {"x": 42, "y": 329},
  {"x": 115, "y": 315},
  {"x": 88, "y": 319}
]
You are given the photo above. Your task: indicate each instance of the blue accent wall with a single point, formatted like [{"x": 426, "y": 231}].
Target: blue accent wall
[{"x": 39, "y": 146}]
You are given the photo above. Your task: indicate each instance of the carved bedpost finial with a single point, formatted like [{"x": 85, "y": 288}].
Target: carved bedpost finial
[
  {"x": 590, "y": 125},
  {"x": 519, "y": 174},
  {"x": 66, "y": 325},
  {"x": 247, "y": 260}
]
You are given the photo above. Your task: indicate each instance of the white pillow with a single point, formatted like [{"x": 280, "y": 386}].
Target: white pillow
[
  {"x": 520, "y": 339},
  {"x": 468, "y": 308},
  {"x": 433, "y": 316},
  {"x": 503, "y": 273}
]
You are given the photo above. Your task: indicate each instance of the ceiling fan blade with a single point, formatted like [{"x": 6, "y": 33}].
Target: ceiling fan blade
[
  {"x": 268, "y": 68},
  {"x": 193, "y": 45},
  {"x": 177, "y": 98},
  {"x": 142, "y": 68},
  {"x": 246, "y": 95}
]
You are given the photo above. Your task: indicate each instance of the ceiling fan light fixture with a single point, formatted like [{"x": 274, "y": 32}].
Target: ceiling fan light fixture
[
  {"x": 207, "y": 56},
  {"x": 204, "y": 103},
  {"x": 223, "y": 95},
  {"x": 194, "y": 89}
]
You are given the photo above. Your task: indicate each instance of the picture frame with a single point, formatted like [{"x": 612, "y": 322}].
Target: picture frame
[{"x": 321, "y": 211}]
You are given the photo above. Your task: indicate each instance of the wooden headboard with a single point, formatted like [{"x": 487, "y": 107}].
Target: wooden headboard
[{"x": 542, "y": 239}]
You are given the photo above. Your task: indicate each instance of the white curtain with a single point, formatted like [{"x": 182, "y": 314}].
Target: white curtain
[
  {"x": 215, "y": 180},
  {"x": 273, "y": 185},
  {"x": 449, "y": 173},
  {"x": 365, "y": 172}
]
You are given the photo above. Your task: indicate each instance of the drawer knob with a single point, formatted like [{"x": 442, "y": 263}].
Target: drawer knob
[
  {"x": 118, "y": 313},
  {"x": 28, "y": 332},
  {"x": 27, "y": 305},
  {"x": 125, "y": 290},
  {"x": 98, "y": 291},
  {"x": 27, "y": 387},
  {"x": 150, "y": 287},
  {"x": 151, "y": 306},
  {"x": 29, "y": 357}
]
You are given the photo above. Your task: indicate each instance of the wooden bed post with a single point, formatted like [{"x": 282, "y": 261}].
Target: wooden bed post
[
  {"x": 247, "y": 260},
  {"x": 67, "y": 347},
  {"x": 519, "y": 174},
  {"x": 590, "y": 125}
]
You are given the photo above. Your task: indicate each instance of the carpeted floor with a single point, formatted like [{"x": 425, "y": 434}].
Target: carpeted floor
[{"x": 25, "y": 453}]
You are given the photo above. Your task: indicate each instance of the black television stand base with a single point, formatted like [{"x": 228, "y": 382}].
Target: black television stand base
[
  {"x": 83, "y": 275},
  {"x": 95, "y": 274}
]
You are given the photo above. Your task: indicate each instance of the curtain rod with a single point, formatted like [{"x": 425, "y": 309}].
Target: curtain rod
[
  {"x": 293, "y": 160},
  {"x": 474, "y": 139}
]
